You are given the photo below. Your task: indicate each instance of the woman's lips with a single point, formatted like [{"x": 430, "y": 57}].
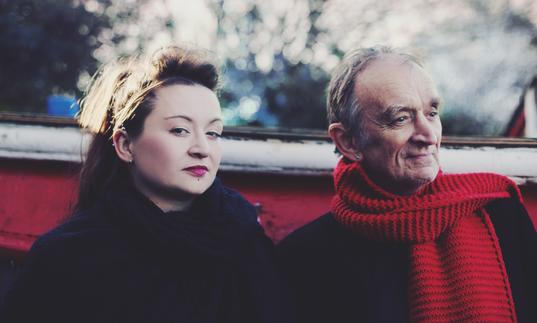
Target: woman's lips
[{"x": 197, "y": 171}]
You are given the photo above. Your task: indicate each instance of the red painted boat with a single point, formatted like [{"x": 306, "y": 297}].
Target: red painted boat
[{"x": 287, "y": 174}]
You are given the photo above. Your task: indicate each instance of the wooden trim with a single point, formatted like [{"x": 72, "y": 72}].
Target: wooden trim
[
  {"x": 37, "y": 119},
  {"x": 285, "y": 134}
]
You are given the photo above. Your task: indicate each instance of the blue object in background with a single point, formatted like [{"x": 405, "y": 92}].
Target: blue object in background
[{"x": 62, "y": 106}]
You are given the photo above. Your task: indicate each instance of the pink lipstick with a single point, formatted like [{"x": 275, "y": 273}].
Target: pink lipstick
[{"x": 197, "y": 171}]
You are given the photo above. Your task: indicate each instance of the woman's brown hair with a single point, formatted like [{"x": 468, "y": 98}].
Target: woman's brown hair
[{"x": 121, "y": 96}]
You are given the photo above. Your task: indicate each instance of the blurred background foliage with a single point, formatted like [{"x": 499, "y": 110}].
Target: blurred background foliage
[{"x": 277, "y": 55}]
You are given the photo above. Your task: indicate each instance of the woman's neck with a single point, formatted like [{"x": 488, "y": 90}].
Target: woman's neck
[
  {"x": 171, "y": 206},
  {"x": 169, "y": 202}
]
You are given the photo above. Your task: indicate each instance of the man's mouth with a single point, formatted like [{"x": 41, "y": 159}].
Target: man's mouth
[
  {"x": 420, "y": 155},
  {"x": 423, "y": 159}
]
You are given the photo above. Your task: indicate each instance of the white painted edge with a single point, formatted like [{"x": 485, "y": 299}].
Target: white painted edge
[
  {"x": 530, "y": 113},
  {"x": 41, "y": 142},
  {"x": 273, "y": 156}
]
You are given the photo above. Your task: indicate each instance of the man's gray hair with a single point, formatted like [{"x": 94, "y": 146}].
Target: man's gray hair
[{"x": 342, "y": 104}]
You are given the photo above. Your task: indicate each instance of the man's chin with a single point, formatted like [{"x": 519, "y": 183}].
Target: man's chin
[
  {"x": 428, "y": 174},
  {"x": 424, "y": 175}
]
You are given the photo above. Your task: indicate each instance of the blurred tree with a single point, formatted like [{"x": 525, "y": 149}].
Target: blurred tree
[
  {"x": 267, "y": 81},
  {"x": 53, "y": 46},
  {"x": 297, "y": 98},
  {"x": 481, "y": 53},
  {"x": 277, "y": 55},
  {"x": 45, "y": 46},
  {"x": 482, "y": 63}
]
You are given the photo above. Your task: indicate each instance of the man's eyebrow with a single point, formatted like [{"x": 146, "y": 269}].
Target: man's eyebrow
[
  {"x": 397, "y": 107},
  {"x": 436, "y": 102},
  {"x": 392, "y": 110}
]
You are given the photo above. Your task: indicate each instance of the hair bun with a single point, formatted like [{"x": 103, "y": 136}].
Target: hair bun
[{"x": 191, "y": 64}]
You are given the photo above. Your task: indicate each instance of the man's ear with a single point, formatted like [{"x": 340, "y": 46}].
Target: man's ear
[
  {"x": 344, "y": 141},
  {"x": 122, "y": 144}
]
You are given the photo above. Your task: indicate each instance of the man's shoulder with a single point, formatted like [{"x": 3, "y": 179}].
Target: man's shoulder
[
  {"x": 321, "y": 233},
  {"x": 505, "y": 205},
  {"x": 518, "y": 241},
  {"x": 510, "y": 216}
]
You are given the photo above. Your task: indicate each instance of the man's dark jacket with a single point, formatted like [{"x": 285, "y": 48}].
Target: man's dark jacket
[{"x": 338, "y": 277}]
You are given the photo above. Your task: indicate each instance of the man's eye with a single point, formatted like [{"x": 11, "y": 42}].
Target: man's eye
[
  {"x": 433, "y": 114},
  {"x": 400, "y": 119},
  {"x": 214, "y": 134}
]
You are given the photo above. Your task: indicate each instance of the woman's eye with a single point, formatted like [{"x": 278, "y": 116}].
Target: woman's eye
[
  {"x": 179, "y": 131},
  {"x": 214, "y": 134},
  {"x": 433, "y": 114}
]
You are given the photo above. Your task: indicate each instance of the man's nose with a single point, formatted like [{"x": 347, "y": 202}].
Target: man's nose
[
  {"x": 199, "y": 146},
  {"x": 425, "y": 131}
]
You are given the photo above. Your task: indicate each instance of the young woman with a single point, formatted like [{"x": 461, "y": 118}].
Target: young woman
[{"x": 155, "y": 236}]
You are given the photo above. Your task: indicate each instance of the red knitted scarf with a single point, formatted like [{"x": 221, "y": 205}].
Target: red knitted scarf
[{"x": 457, "y": 271}]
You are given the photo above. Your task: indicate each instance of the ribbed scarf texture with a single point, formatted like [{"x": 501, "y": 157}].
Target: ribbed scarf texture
[{"x": 457, "y": 271}]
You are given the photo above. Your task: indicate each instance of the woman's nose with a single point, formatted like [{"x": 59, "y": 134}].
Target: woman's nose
[{"x": 199, "y": 147}]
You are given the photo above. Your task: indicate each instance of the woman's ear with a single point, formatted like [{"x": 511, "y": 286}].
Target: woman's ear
[
  {"x": 122, "y": 144},
  {"x": 344, "y": 141}
]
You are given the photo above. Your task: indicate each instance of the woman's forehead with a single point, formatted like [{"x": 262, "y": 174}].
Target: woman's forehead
[{"x": 187, "y": 103}]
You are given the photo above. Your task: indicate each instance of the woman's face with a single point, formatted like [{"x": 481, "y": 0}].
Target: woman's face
[{"x": 178, "y": 153}]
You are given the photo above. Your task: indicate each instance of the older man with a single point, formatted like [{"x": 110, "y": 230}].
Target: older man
[{"x": 404, "y": 242}]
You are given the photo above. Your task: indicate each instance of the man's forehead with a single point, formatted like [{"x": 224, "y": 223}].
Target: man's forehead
[
  {"x": 388, "y": 68},
  {"x": 393, "y": 77}
]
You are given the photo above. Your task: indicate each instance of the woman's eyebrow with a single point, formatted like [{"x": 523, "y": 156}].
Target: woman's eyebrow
[
  {"x": 215, "y": 120},
  {"x": 179, "y": 116},
  {"x": 187, "y": 118}
]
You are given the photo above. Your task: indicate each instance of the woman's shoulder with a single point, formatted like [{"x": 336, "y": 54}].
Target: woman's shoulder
[
  {"x": 84, "y": 230},
  {"x": 241, "y": 209},
  {"x": 81, "y": 254}
]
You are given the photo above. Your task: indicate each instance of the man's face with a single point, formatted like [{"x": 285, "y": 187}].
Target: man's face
[{"x": 401, "y": 122}]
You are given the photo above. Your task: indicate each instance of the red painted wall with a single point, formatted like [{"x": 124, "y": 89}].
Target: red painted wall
[
  {"x": 287, "y": 202},
  {"x": 37, "y": 195},
  {"x": 34, "y": 197}
]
